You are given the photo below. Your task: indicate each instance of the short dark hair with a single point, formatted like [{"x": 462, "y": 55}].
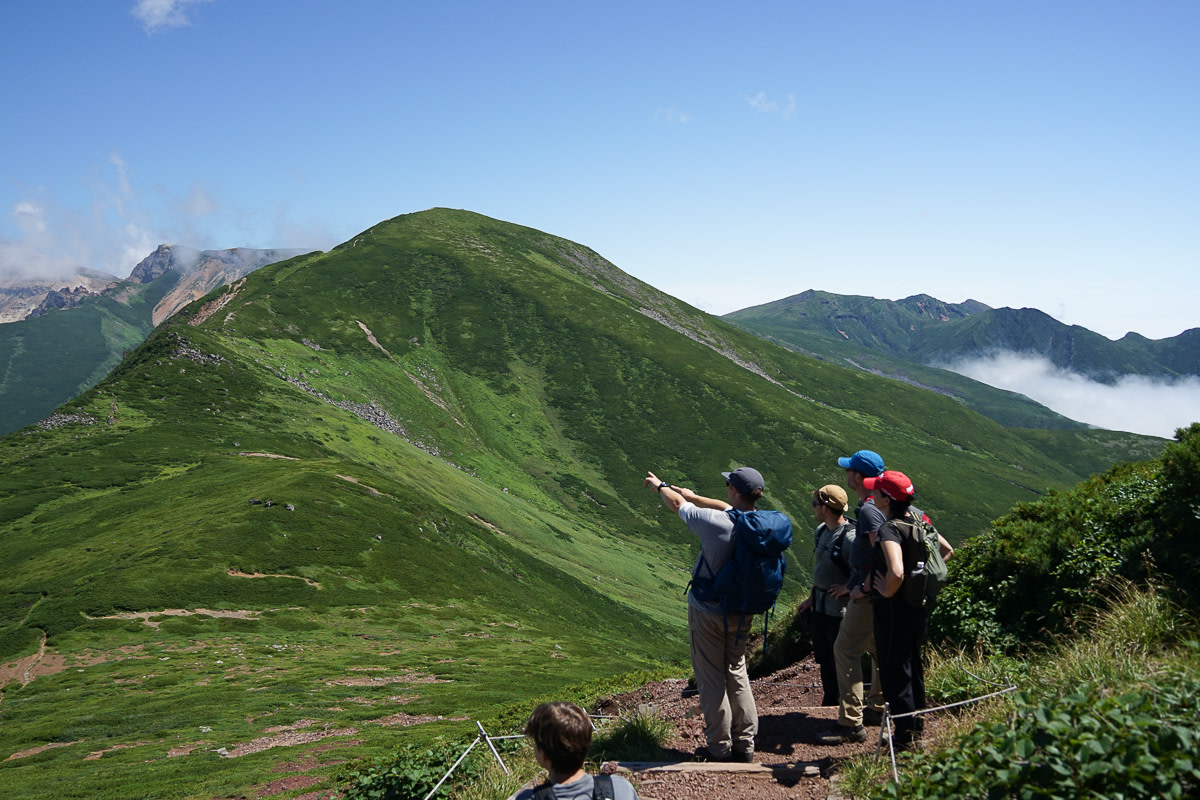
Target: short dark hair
[{"x": 563, "y": 732}]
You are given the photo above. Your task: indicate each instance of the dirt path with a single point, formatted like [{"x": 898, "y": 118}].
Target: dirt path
[{"x": 788, "y": 764}]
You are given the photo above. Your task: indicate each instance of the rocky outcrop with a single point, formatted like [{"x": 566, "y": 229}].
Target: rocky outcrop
[
  {"x": 201, "y": 271},
  {"x": 59, "y": 299},
  {"x": 21, "y": 298}
]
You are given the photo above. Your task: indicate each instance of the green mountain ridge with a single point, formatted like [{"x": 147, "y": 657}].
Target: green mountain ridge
[
  {"x": 418, "y": 457},
  {"x": 914, "y": 339}
]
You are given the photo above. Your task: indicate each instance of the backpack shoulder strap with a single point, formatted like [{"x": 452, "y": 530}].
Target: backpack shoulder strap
[
  {"x": 839, "y": 547},
  {"x": 603, "y": 788},
  {"x": 544, "y": 792}
]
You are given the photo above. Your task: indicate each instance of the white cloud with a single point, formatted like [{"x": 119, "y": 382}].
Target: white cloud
[
  {"x": 760, "y": 102},
  {"x": 672, "y": 116},
  {"x": 1134, "y": 403},
  {"x": 156, "y": 15},
  {"x": 111, "y": 235},
  {"x": 116, "y": 231}
]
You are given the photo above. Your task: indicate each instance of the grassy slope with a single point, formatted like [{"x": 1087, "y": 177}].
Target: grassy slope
[
  {"x": 50, "y": 359},
  {"x": 500, "y": 540}
]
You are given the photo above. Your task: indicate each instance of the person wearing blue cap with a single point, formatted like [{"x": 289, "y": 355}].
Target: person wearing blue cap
[
  {"x": 717, "y": 648},
  {"x": 856, "y": 636}
]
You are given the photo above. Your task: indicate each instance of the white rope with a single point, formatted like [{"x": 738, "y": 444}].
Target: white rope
[
  {"x": 483, "y": 735},
  {"x": 921, "y": 711},
  {"x": 891, "y": 732}
]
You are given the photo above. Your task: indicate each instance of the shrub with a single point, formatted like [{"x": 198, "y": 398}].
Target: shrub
[
  {"x": 1044, "y": 563},
  {"x": 1091, "y": 743},
  {"x": 413, "y": 772}
]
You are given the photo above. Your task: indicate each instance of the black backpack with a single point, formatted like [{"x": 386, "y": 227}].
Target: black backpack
[{"x": 602, "y": 789}]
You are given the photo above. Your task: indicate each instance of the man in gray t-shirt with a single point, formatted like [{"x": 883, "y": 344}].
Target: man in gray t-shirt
[{"x": 717, "y": 648}]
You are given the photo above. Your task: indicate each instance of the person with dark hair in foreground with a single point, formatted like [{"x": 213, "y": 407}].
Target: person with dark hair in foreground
[{"x": 561, "y": 735}]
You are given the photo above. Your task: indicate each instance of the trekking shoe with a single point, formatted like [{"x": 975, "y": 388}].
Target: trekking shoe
[
  {"x": 743, "y": 756},
  {"x": 843, "y": 735},
  {"x": 702, "y": 754},
  {"x": 872, "y": 717}
]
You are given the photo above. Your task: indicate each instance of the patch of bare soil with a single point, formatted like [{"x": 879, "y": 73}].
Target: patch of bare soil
[
  {"x": 288, "y": 784},
  {"x": 408, "y": 677},
  {"x": 147, "y": 616},
  {"x": 33, "y": 751},
  {"x": 406, "y": 720},
  {"x": 43, "y": 662},
  {"x": 788, "y": 763},
  {"x": 237, "y": 574},
  {"x": 288, "y": 739}
]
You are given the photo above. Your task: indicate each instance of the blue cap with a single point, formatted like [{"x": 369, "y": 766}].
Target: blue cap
[{"x": 868, "y": 462}]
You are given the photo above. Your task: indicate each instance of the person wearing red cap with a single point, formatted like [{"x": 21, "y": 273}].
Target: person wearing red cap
[{"x": 899, "y": 628}]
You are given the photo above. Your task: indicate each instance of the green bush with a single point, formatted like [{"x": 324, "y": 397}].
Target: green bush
[
  {"x": 1091, "y": 743},
  {"x": 1045, "y": 562},
  {"x": 413, "y": 772}
]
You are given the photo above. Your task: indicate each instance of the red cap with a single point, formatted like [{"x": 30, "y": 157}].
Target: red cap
[{"x": 895, "y": 485}]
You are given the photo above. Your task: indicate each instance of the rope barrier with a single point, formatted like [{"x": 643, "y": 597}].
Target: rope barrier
[{"x": 888, "y": 716}]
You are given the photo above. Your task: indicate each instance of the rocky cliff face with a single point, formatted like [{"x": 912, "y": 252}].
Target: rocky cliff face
[
  {"x": 201, "y": 271},
  {"x": 26, "y": 297}
]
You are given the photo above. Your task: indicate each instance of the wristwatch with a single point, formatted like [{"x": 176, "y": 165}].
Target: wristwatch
[{"x": 663, "y": 485}]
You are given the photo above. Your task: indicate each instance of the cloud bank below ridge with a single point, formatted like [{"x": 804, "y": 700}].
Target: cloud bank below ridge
[{"x": 1135, "y": 403}]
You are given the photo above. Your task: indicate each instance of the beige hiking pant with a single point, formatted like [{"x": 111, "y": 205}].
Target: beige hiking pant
[
  {"x": 719, "y": 664},
  {"x": 856, "y": 637}
]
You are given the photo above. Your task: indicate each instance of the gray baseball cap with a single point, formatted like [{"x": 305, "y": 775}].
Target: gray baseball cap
[{"x": 744, "y": 479}]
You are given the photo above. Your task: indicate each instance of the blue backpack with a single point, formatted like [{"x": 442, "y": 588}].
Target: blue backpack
[{"x": 750, "y": 580}]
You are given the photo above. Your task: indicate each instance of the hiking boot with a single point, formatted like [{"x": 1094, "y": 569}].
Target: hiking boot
[
  {"x": 872, "y": 717},
  {"x": 743, "y": 756},
  {"x": 703, "y": 754},
  {"x": 843, "y": 735}
]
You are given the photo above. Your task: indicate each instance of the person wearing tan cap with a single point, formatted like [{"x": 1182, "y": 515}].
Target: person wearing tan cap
[
  {"x": 831, "y": 570},
  {"x": 856, "y": 636}
]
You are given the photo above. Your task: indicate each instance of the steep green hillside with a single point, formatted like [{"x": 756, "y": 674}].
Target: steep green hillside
[
  {"x": 49, "y": 359},
  {"x": 401, "y": 481}
]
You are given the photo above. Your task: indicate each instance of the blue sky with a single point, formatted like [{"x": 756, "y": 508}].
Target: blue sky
[{"x": 1037, "y": 154}]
